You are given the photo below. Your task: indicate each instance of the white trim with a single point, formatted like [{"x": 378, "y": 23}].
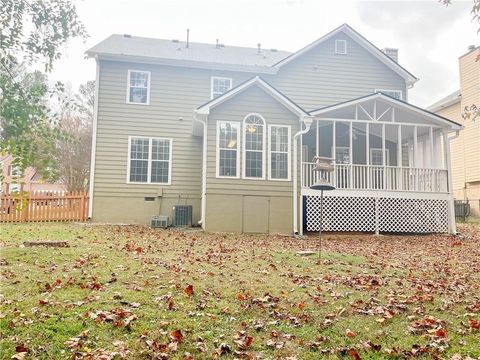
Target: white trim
[
  {"x": 289, "y": 104},
  {"x": 217, "y": 148},
  {"x": 94, "y": 139},
  {"x": 212, "y": 80},
  {"x": 379, "y": 54},
  {"x": 436, "y": 119},
  {"x": 244, "y": 150},
  {"x": 149, "y": 166},
  {"x": 390, "y": 90},
  {"x": 337, "y": 42},
  {"x": 148, "y": 87},
  {"x": 269, "y": 151}
]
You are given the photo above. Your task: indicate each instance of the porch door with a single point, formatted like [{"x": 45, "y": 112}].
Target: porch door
[{"x": 377, "y": 169}]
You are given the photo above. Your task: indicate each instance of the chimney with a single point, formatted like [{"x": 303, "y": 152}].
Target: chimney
[
  {"x": 391, "y": 53},
  {"x": 471, "y": 47}
]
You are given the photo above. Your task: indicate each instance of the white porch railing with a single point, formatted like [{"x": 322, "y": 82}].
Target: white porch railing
[{"x": 372, "y": 177}]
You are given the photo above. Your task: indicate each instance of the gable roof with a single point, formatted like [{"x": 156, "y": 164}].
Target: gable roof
[
  {"x": 448, "y": 100},
  {"x": 375, "y": 51},
  {"x": 225, "y": 55},
  {"x": 398, "y": 104},
  {"x": 258, "y": 81}
]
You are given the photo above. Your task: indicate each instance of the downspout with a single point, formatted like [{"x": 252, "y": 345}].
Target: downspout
[
  {"x": 204, "y": 168},
  {"x": 94, "y": 139},
  {"x": 307, "y": 120}
]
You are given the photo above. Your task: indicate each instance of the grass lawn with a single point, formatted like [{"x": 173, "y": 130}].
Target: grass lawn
[{"x": 134, "y": 292}]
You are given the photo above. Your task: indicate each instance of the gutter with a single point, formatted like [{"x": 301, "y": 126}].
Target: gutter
[
  {"x": 307, "y": 120},
  {"x": 204, "y": 167},
  {"x": 94, "y": 139}
]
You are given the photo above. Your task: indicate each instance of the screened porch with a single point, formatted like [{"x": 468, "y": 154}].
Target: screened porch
[{"x": 378, "y": 143}]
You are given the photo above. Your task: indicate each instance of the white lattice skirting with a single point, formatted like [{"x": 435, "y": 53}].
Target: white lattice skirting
[{"x": 397, "y": 215}]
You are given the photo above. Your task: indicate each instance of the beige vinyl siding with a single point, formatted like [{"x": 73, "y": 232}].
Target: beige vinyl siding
[
  {"x": 174, "y": 93},
  {"x": 470, "y": 90},
  {"x": 320, "y": 77},
  {"x": 456, "y": 147}
]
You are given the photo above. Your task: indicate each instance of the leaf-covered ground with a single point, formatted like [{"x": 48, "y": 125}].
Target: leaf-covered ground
[{"x": 134, "y": 292}]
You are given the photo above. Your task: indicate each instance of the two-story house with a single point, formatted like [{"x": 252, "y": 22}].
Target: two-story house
[{"x": 233, "y": 132}]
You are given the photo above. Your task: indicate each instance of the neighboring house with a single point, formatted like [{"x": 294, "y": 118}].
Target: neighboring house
[
  {"x": 465, "y": 146},
  {"x": 31, "y": 180},
  {"x": 233, "y": 132}
]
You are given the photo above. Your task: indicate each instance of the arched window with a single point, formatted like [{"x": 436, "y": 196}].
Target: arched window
[{"x": 254, "y": 147}]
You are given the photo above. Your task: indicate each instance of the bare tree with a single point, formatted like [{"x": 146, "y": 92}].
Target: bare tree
[{"x": 73, "y": 152}]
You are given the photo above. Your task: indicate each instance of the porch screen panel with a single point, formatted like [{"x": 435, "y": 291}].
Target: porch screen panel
[
  {"x": 325, "y": 139},
  {"x": 376, "y": 157}
]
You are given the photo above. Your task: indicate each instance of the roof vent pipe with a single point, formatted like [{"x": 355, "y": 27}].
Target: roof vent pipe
[
  {"x": 471, "y": 47},
  {"x": 259, "y": 48},
  {"x": 188, "y": 37},
  {"x": 216, "y": 46}
]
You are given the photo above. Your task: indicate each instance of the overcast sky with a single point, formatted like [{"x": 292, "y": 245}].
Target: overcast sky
[{"x": 430, "y": 37}]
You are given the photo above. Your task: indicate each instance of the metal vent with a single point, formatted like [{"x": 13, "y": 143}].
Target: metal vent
[
  {"x": 159, "y": 221},
  {"x": 182, "y": 216}
]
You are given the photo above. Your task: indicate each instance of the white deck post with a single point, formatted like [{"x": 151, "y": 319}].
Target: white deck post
[
  {"x": 432, "y": 166},
  {"x": 317, "y": 144},
  {"x": 399, "y": 157},
  {"x": 384, "y": 161},
  {"x": 415, "y": 159},
  {"x": 350, "y": 155},
  {"x": 452, "y": 224},
  {"x": 367, "y": 157},
  {"x": 334, "y": 156}
]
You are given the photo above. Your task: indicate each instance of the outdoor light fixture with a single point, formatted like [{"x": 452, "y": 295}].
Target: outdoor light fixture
[{"x": 322, "y": 165}]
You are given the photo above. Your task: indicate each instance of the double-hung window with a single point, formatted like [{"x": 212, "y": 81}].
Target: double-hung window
[
  {"x": 219, "y": 86},
  {"x": 254, "y": 147},
  {"x": 149, "y": 160},
  {"x": 228, "y": 149},
  {"x": 279, "y": 152},
  {"x": 138, "y": 87}
]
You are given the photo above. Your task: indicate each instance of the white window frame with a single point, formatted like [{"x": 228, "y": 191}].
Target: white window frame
[
  {"x": 238, "y": 148},
  {"x": 149, "y": 169},
  {"x": 212, "y": 80},
  {"x": 244, "y": 149},
  {"x": 386, "y": 155},
  {"x": 342, "y": 148},
  {"x": 390, "y": 90},
  {"x": 337, "y": 41},
  {"x": 148, "y": 87},
  {"x": 289, "y": 152}
]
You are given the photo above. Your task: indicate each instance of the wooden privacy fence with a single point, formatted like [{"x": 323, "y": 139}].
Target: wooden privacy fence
[{"x": 44, "y": 206}]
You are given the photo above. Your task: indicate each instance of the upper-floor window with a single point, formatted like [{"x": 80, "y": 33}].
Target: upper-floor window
[
  {"x": 149, "y": 160},
  {"x": 254, "y": 147},
  {"x": 397, "y": 94},
  {"x": 279, "y": 152},
  {"x": 138, "y": 89},
  {"x": 340, "y": 47},
  {"x": 228, "y": 149},
  {"x": 219, "y": 86}
]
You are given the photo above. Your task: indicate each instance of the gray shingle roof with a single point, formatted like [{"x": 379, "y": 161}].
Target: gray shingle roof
[
  {"x": 446, "y": 101},
  {"x": 170, "y": 50}
]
